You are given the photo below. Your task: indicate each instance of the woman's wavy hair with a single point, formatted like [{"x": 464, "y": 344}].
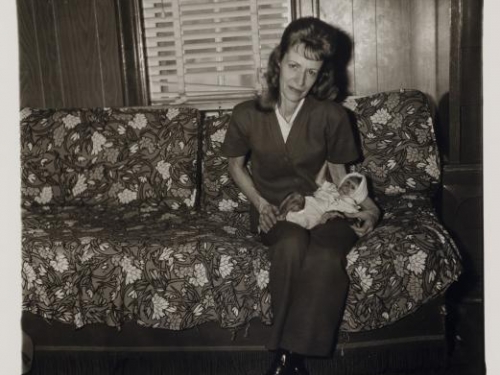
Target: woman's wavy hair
[{"x": 319, "y": 40}]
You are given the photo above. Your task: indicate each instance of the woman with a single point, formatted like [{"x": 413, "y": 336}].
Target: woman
[{"x": 290, "y": 132}]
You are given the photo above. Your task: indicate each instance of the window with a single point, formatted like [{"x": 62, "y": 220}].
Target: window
[{"x": 210, "y": 53}]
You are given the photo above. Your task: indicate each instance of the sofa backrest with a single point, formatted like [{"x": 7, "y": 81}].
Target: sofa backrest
[
  {"x": 109, "y": 156},
  {"x": 396, "y": 137},
  {"x": 399, "y": 146},
  {"x": 127, "y": 156},
  {"x": 219, "y": 192}
]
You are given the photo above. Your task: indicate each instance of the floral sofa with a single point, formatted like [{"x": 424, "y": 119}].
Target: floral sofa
[{"x": 129, "y": 215}]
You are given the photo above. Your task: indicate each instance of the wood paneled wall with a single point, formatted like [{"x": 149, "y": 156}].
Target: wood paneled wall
[
  {"x": 396, "y": 43},
  {"x": 69, "y": 55},
  {"x": 70, "y": 52}
]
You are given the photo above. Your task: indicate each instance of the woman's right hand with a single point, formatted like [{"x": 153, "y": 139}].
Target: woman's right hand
[{"x": 268, "y": 214}]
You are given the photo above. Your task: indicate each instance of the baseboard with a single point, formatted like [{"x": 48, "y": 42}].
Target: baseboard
[
  {"x": 359, "y": 360},
  {"x": 239, "y": 348}
]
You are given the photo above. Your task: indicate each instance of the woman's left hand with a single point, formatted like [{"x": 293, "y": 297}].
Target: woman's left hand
[
  {"x": 293, "y": 202},
  {"x": 367, "y": 219}
]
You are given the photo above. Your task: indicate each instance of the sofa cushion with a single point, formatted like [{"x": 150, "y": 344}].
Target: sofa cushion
[
  {"x": 109, "y": 156},
  {"x": 219, "y": 192},
  {"x": 398, "y": 142},
  {"x": 160, "y": 269},
  {"x": 177, "y": 270}
]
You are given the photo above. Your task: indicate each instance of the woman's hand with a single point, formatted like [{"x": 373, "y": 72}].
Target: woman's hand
[
  {"x": 292, "y": 202},
  {"x": 367, "y": 219},
  {"x": 331, "y": 215},
  {"x": 268, "y": 215},
  {"x": 267, "y": 212}
]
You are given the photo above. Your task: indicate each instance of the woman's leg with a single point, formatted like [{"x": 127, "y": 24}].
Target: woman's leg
[
  {"x": 288, "y": 244},
  {"x": 319, "y": 292}
]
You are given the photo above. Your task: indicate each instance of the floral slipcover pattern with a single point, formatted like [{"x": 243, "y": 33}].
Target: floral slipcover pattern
[
  {"x": 407, "y": 260},
  {"x": 398, "y": 142},
  {"x": 175, "y": 269},
  {"x": 219, "y": 192},
  {"x": 109, "y": 156},
  {"x": 160, "y": 269}
]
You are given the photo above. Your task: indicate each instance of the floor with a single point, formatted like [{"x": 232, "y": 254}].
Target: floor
[
  {"x": 468, "y": 355},
  {"x": 466, "y": 358}
]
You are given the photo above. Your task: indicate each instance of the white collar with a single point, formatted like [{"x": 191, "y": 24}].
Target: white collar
[{"x": 286, "y": 126}]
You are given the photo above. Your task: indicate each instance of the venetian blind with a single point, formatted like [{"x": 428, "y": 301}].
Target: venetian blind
[{"x": 208, "y": 51}]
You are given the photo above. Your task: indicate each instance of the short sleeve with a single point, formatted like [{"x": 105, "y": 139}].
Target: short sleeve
[
  {"x": 341, "y": 143},
  {"x": 236, "y": 141}
]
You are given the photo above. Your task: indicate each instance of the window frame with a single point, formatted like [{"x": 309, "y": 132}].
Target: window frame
[{"x": 133, "y": 53}]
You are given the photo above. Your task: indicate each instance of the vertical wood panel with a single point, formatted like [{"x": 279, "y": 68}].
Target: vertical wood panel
[
  {"x": 471, "y": 84},
  {"x": 131, "y": 52},
  {"x": 455, "y": 81},
  {"x": 79, "y": 53},
  {"x": 50, "y": 62},
  {"x": 393, "y": 44},
  {"x": 443, "y": 47},
  {"x": 109, "y": 52},
  {"x": 396, "y": 43},
  {"x": 306, "y": 8},
  {"x": 365, "y": 48},
  {"x": 443, "y": 75},
  {"x": 423, "y": 46},
  {"x": 340, "y": 14},
  {"x": 30, "y": 83}
]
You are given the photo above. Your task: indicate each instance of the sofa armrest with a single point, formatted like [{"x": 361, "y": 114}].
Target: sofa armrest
[{"x": 407, "y": 260}]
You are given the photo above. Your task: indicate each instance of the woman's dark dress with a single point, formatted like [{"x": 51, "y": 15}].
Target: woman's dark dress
[{"x": 308, "y": 282}]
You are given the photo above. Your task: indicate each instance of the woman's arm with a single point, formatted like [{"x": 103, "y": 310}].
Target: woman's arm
[
  {"x": 242, "y": 178},
  {"x": 369, "y": 213},
  {"x": 337, "y": 172},
  {"x": 369, "y": 216},
  {"x": 240, "y": 175}
]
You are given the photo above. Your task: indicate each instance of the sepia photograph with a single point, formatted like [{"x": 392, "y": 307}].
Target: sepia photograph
[{"x": 249, "y": 187}]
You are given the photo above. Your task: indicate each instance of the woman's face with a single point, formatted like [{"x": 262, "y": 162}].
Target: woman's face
[{"x": 297, "y": 75}]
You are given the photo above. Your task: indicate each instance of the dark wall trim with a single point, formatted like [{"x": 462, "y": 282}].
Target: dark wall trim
[
  {"x": 304, "y": 8},
  {"x": 466, "y": 112},
  {"x": 295, "y": 8},
  {"x": 455, "y": 80},
  {"x": 462, "y": 215},
  {"x": 132, "y": 53}
]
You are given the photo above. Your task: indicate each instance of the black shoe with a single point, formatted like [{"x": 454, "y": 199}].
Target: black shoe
[
  {"x": 297, "y": 366},
  {"x": 286, "y": 363}
]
